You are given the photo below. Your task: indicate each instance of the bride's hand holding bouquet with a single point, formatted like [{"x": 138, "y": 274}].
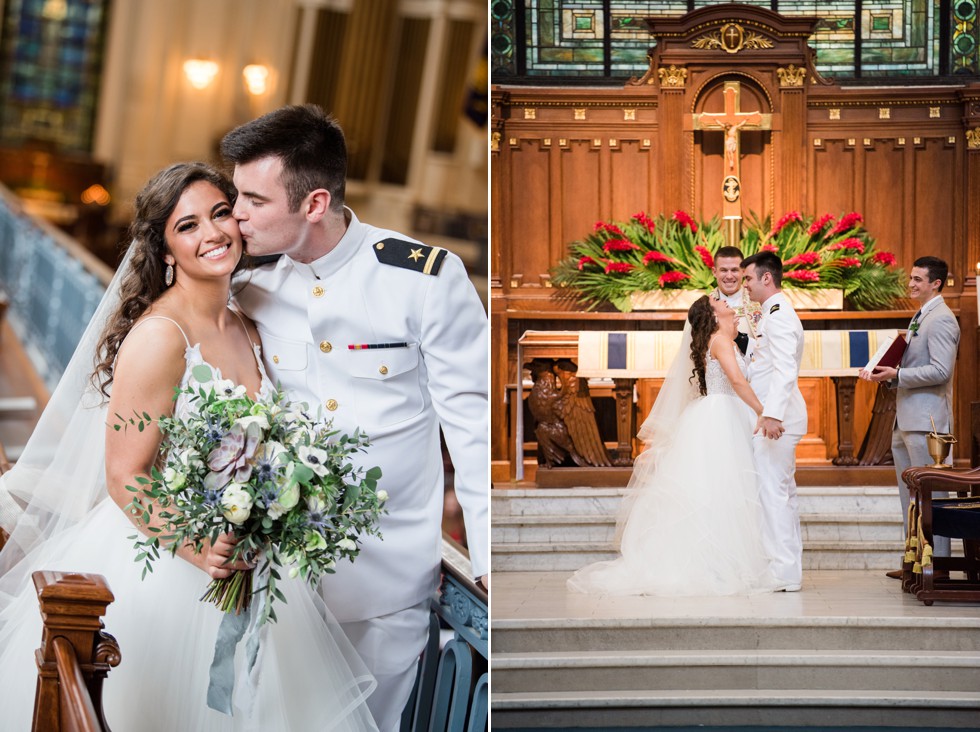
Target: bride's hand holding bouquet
[{"x": 253, "y": 482}]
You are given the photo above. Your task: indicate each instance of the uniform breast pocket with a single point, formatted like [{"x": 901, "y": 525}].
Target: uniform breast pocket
[
  {"x": 285, "y": 361},
  {"x": 388, "y": 385}
]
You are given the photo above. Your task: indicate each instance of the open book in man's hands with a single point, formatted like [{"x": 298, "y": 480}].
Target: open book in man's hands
[{"x": 888, "y": 354}]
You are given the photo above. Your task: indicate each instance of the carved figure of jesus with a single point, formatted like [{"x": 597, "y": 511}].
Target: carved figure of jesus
[{"x": 731, "y": 143}]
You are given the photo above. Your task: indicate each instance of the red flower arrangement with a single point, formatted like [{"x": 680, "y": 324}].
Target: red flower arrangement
[
  {"x": 643, "y": 254},
  {"x": 647, "y": 223},
  {"x": 656, "y": 257},
  {"x": 683, "y": 219},
  {"x": 804, "y": 258},
  {"x": 672, "y": 277},
  {"x": 850, "y": 243},
  {"x": 705, "y": 255},
  {"x": 619, "y": 245},
  {"x": 817, "y": 226},
  {"x": 791, "y": 216},
  {"x": 611, "y": 228},
  {"x": 846, "y": 223},
  {"x": 802, "y": 275}
]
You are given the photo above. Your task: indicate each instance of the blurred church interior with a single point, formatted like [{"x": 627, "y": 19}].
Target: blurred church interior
[{"x": 97, "y": 95}]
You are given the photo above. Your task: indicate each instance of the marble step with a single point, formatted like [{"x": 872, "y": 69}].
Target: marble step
[
  {"x": 734, "y": 708},
  {"x": 534, "y": 529},
  {"x": 760, "y": 633},
  {"x": 832, "y": 500},
  {"x": 567, "y": 556},
  {"x": 844, "y": 527},
  {"x": 636, "y": 670}
]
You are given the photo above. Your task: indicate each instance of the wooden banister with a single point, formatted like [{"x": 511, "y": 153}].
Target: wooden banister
[
  {"x": 77, "y": 710},
  {"x": 75, "y": 654}
]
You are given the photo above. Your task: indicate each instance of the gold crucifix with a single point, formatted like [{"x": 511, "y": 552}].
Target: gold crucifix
[{"x": 732, "y": 122}]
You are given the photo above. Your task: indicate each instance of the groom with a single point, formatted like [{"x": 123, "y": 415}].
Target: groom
[
  {"x": 774, "y": 369},
  {"x": 388, "y": 335}
]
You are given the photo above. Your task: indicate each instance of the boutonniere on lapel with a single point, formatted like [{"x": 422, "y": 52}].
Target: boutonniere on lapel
[{"x": 914, "y": 328}]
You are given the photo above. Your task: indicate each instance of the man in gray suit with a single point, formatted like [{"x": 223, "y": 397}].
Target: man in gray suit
[{"x": 924, "y": 378}]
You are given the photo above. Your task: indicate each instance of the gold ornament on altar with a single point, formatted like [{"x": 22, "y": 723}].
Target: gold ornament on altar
[
  {"x": 940, "y": 446},
  {"x": 672, "y": 77},
  {"x": 731, "y": 189},
  {"x": 732, "y": 38},
  {"x": 793, "y": 75},
  {"x": 973, "y": 138}
]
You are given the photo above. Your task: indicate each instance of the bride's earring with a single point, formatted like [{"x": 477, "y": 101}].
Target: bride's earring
[{"x": 168, "y": 275}]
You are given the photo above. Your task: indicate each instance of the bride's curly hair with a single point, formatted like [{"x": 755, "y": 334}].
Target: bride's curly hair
[
  {"x": 143, "y": 283},
  {"x": 701, "y": 316}
]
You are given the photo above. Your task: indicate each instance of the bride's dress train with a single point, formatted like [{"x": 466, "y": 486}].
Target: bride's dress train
[{"x": 694, "y": 527}]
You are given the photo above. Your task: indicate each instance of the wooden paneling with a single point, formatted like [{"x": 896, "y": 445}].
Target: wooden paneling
[
  {"x": 884, "y": 185},
  {"x": 935, "y": 186},
  {"x": 632, "y": 178},
  {"x": 580, "y": 164},
  {"x": 832, "y": 178},
  {"x": 527, "y": 229}
]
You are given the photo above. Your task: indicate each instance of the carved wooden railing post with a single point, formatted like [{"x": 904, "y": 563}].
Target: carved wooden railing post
[
  {"x": 72, "y": 606},
  {"x": 625, "y": 422},
  {"x": 845, "y": 420}
]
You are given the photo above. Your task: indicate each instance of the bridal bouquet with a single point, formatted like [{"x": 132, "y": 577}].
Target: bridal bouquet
[{"x": 264, "y": 470}]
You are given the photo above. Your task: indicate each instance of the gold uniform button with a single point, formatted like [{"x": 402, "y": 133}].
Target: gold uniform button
[
  {"x": 332, "y": 404},
  {"x": 318, "y": 291},
  {"x": 275, "y": 359},
  {"x": 326, "y": 346},
  {"x": 383, "y": 370},
  {"x": 380, "y": 245}
]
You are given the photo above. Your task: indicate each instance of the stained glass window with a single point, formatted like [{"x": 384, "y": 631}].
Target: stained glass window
[
  {"x": 50, "y": 63},
  {"x": 567, "y": 40}
]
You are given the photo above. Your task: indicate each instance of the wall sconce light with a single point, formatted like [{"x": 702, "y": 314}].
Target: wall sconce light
[
  {"x": 256, "y": 78},
  {"x": 200, "y": 72}
]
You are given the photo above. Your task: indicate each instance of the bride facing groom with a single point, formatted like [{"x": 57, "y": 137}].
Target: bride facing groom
[{"x": 712, "y": 506}]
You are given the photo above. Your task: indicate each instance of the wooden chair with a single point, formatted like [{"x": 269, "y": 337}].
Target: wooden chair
[
  {"x": 75, "y": 654},
  {"x": 927, "y": 576}
]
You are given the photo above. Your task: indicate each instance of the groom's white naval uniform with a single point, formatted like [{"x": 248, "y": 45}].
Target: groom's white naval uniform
[
  {"x": 773, "y": 373},
  {"x": 388, "y": 335}
]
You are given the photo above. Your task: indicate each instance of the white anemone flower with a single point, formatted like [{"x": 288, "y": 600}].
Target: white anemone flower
[
  {"x": 314, "y": 458},
  {"x": 227, "y": 389}
]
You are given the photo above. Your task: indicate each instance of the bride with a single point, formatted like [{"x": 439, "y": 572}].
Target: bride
[
  {"x": 693, "y": 517},
  {"x": 165, "y": 312}
]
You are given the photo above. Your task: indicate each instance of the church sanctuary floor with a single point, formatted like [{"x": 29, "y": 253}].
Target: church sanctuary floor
[{"x": 850, "y": 649}]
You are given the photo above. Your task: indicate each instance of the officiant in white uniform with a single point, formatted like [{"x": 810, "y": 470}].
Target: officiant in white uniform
[
  {"x": 774, "y": 370},
  {"x": 384, "y": 334},
  {"x": 727, "y": 269}
]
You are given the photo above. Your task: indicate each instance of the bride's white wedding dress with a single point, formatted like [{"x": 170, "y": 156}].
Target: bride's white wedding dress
[
  {"x": 310, "y": 677},
  {"x": 694, "y": 527}
]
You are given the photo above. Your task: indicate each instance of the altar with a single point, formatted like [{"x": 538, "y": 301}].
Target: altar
[{"x": 566, "y": 158}]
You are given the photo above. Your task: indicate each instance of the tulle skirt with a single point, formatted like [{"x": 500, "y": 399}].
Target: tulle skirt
[
  {"x": 309, "y": 677},
  {"x": 693, "y": 526}
]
